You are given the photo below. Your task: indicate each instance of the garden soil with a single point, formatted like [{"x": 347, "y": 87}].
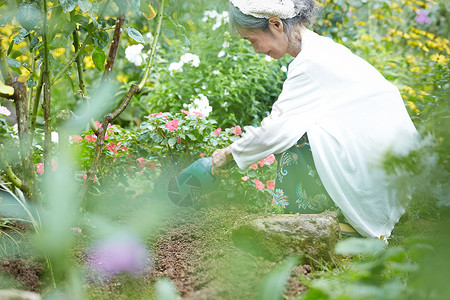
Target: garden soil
[{"x": 194, "y": 249}]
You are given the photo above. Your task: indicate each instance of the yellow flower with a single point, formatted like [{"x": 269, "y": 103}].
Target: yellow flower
[
  {"x": 409, "y": 90},
  {"x": 377, "y": 16},
  {"x": 439, "y": 58},
  {"x": 392, "y": 64},
  {"x": 365, "y": 37},
  {"x": 397, "y": 18},
  {"x": 361, "y": 23},
  {"x": 122, "y": 78},
  {"x": 413, "y": 106},
  {"x": 414, "y": 35},
  {"x": 59, "y": 52},
  {"x": 415, "y": 69},
  {"x": 410, "y": 59},
  {"x": 88, "y": 63}
]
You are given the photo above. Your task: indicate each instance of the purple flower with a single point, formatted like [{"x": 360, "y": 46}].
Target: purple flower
[
  {"x": 422, "y": 17},
  {"x": 119, "y": 254}
]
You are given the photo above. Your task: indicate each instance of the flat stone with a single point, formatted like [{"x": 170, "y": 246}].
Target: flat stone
[
  {"x": 18, "y": 295},
  {"x": 310, "y": 236}
]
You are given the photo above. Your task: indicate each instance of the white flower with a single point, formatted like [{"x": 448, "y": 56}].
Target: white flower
[
  {"x": 176, "y": 66},
  {"x": 233, "y": 83},
  {"x": 226, "y": 93},
  {"x": 225, "y": 44},
  {"x": 221, "y": 53},
  {"x": 201, "y": 105},
  {"x": 216, "y": 72},
  {"x": 235, "y": 58},
  {"x": 203, "y": 87},
  {"x": 134, "y": 55},
  {"x": 4, "y": 111},
  {"x": 268, "y": 58},
  {"x": 220, "y": 18},
  {"x": 193, "y": 59},
  {"x": 284, "y": 69},
  {"x": 55, "y": 137}
]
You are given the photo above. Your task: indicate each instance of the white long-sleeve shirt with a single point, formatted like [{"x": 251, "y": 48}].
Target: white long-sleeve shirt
[{"x": 352, "y": 116}]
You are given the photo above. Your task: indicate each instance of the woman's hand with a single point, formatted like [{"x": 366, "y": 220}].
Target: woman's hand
[{"x": 220, "y": 158}]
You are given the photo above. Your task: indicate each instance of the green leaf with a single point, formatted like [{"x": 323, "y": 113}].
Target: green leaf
[
  {"x": 6, "y": 89},
  {"x": 101, "y": 39},
  {"x": 85, "y": 5},
  {"x": 192, "y": 137},
  {"x": 99, "y": 57},
  {"x": 172, "y": 141},
  {"x": 28, "y": 15},
  {"x": 20, "y": 36},
  {"x": 34, "y": 43},
  {"x": 274, "y": 283},
  {"x": 357, "y": 246},
  {"x": 135, "y": 35},
  {"x": 68, "y": 5},
  {"x": 13, "y": 62}
]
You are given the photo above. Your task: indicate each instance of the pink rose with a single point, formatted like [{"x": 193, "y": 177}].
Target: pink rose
[
  {"x": 259, "y": 184},
  {"x": 254, "y": 166},
  {"x": 141, "y": 162},
  {"x": 245, "y": 178},
  {"x": 270, "y": 159},
  {"x": 76, "y": 138},
  {"x": 236, "y": 130},
  {"x": 40, "y": 168},
  {"x": 270, "y": 184},
  {"x": 172, "y": 125},
  {"x": 90, "y": 138}
]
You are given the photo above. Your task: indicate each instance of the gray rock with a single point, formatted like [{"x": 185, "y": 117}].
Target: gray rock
[
  {"x": 18, "y": 295},
  {"x": 310, "y": 236}
]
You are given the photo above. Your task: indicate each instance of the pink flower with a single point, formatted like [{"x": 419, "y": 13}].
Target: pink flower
[
  {"x": 254, "y": 166},
  {"x": 217, "y": 131},
  {"x": 90, "y": 138},
  {"x": 245, "y": 178},
  {"x": 85, "y": 176},
  {"x": 202, "y": 155},
  {"x": 141, "y": 162},
  {"x": 261, "y": 163},
  {"x": 124, "y": 148},
  {"x": 198, "y": 114},
  {"x": 422, "y": 17},
  {"x": 185, "y": 112},
  {"x": 54, "y": 165},
  {"x": 98, "y": 124},
  {"x": 172, "y": 125},
  {"x": 40, "y": 168},
  {"x": 155, "y": 115},
  {"x": 270, "y": 184},
  {"x": 270, "y": 159},
  {"x": 259, "y": 184},
  {"x": 236, "y": 130},
  {"x": 76, "y": 138},
  {"x": 4, "y": 111},
  {"x": 179, "y": 139},
  {"x": 152, "y": 166}
]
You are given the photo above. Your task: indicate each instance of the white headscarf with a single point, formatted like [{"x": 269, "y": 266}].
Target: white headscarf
[{"x": 264, "y": 9}]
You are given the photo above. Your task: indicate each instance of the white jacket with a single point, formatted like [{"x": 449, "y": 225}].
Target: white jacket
[{"x": 352, "y": 116}]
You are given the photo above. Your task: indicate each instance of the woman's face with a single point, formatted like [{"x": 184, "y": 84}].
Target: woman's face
[{"x": 273, "y": 42}]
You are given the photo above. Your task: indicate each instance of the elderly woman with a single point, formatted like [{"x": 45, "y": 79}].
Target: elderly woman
[{"x": 333, "y": 122}]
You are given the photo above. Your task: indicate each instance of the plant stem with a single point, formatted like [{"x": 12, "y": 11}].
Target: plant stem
[
  {"x": 33, "y": 67},
  {"x": 9, "y": 172},
  {"x": 155, "y": 43},
  {"x": 37, "y": 99},
  {"x": 76, "y": 45},
  {"x": 47, "y": 96},
  {"x": 72, "y": 60}
]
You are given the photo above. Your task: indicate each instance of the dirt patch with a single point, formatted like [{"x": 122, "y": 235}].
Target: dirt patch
[
  {"x": 27, "y": 272},
  {"x": 196, "y": 251}
]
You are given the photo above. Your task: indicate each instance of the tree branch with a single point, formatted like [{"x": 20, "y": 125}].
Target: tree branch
[
  {"x": 113, "y": 48},
  {"x": 155, "y": 42}
]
